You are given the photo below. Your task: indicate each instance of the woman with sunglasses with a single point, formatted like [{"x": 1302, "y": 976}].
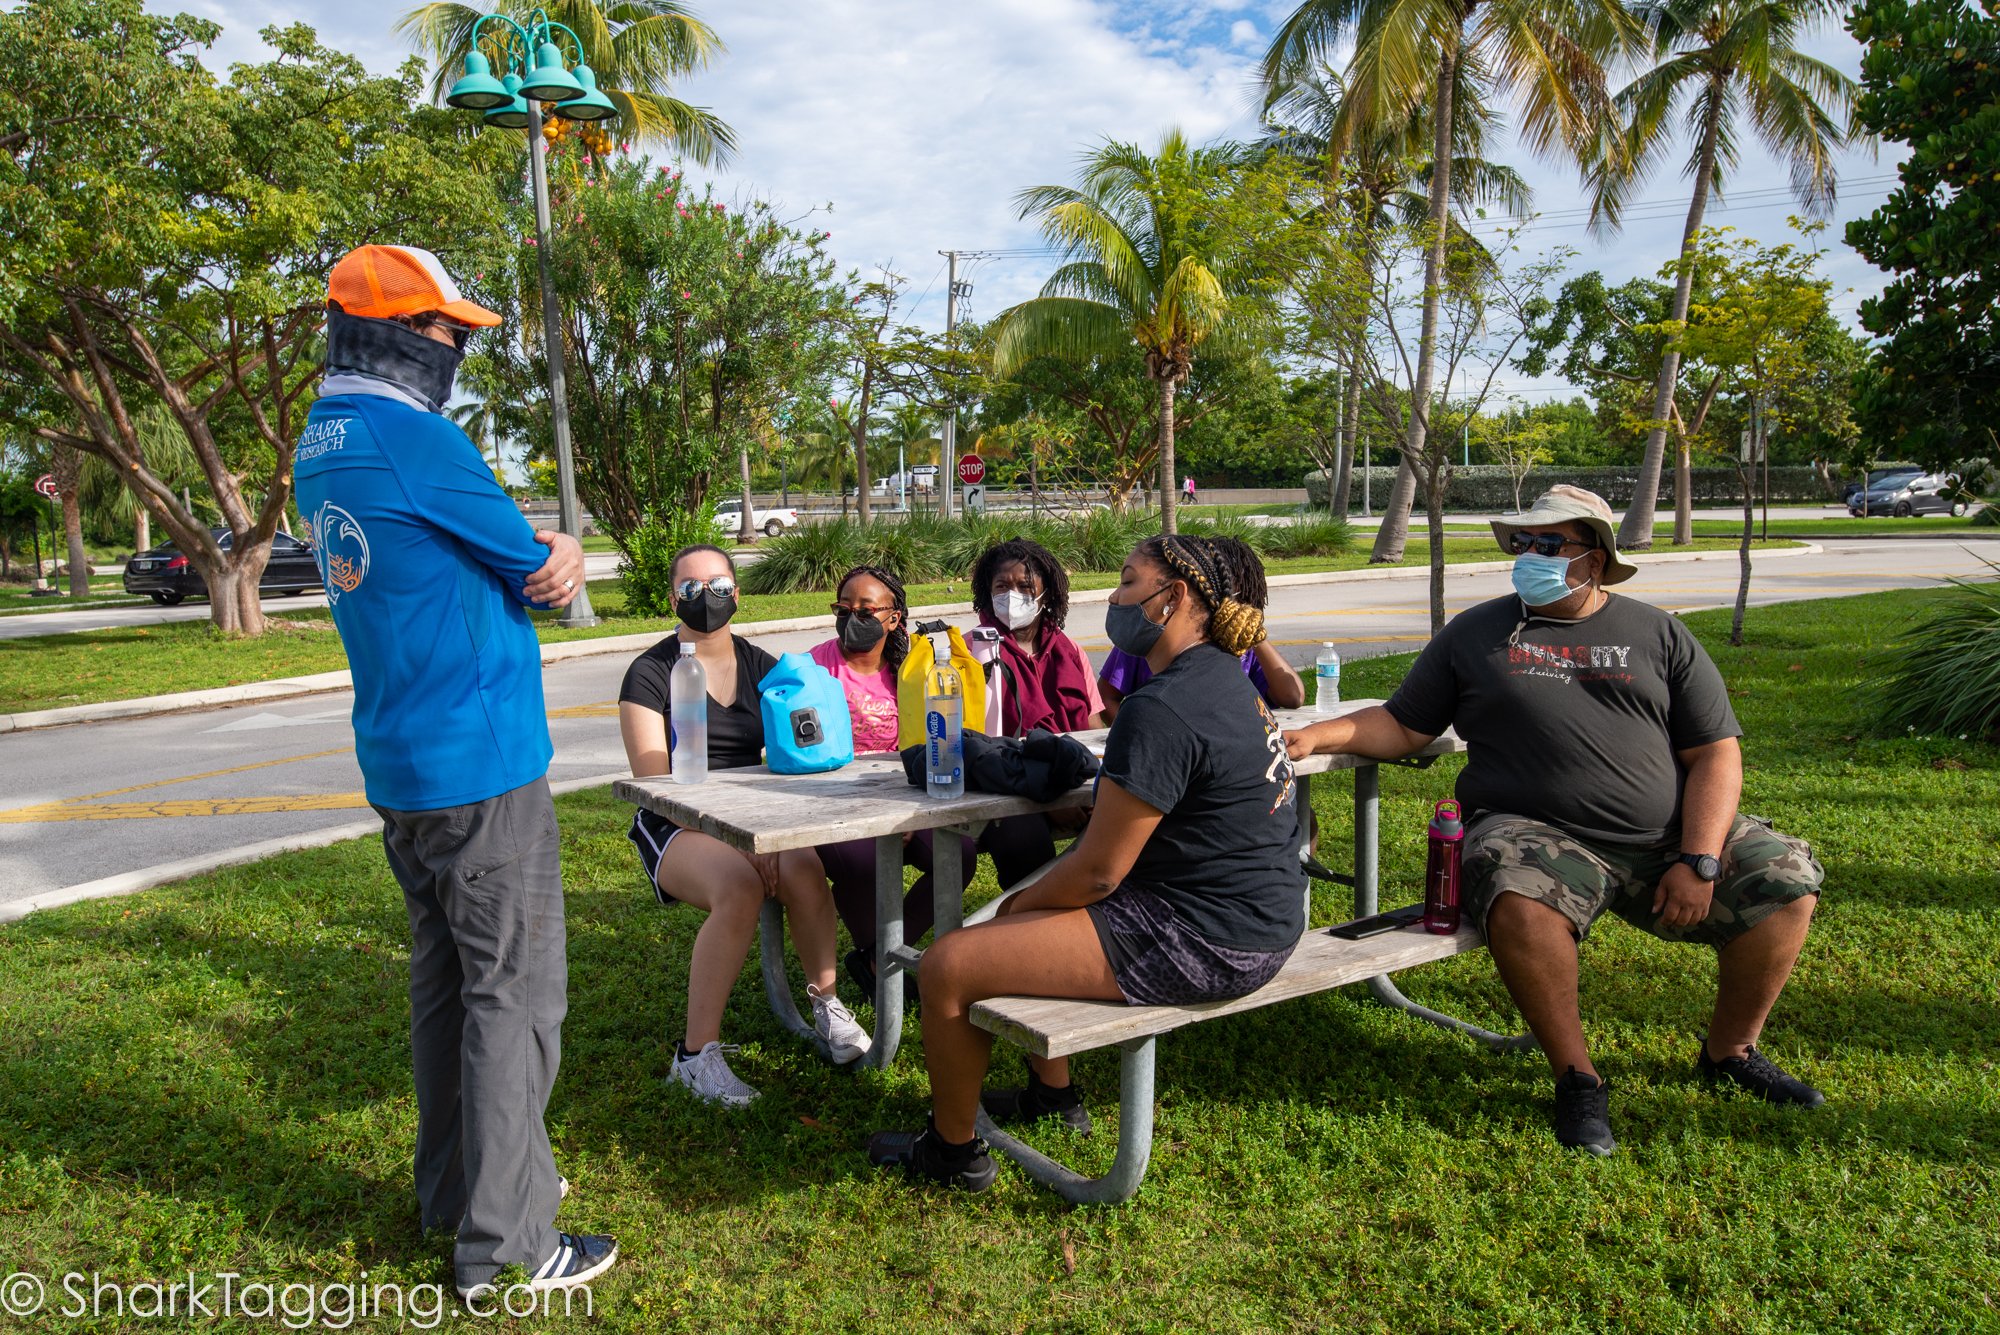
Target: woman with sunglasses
[
  {"x": 1185, "y": 887},
  {"x": 727, "y": 884}
]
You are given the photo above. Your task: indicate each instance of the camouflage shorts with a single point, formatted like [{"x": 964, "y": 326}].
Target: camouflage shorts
[{"x": 1762, "y": 871}]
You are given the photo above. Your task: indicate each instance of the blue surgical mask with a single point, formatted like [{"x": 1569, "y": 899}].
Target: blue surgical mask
[{"x": 1541, "y": 580}]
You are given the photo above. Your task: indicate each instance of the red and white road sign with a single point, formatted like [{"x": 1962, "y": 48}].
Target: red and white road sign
[
  {"x": 46, "y": 485},
  {"x": 971, "y": 470}
]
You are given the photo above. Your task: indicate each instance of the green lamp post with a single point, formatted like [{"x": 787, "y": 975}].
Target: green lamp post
[{"x": 535, "y": 74}]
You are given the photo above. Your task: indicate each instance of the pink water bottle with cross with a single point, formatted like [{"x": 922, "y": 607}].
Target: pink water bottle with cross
[{"x": 1441, "y": 868}]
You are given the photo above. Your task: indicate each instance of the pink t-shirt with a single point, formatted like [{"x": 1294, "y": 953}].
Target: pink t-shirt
[{"x": 871, "y": 700}]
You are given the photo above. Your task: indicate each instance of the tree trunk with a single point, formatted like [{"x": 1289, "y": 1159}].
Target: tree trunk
[
  {"x": 1635, "y": 533},
  {"x": 745, "y": 531},
  {"x": 1742, "y": 559},
  {"x": 142, "y": 528},
  {"x": 1350, "y": 436},
  {"x": 1683, "y": 494},
  {"x": 1434, "y": 498},
  {"x": 1169, "y": 497},
  {"x": 1395, "y": 530},
  {"x": 67, "y": 467},
  {"x": 1394, "y": 533}
]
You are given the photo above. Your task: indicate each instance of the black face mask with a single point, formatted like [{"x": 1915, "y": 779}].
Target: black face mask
[
  {"x": 706, "y": 612},
  {"x": 393, "y": 352},
  {"x": 858, "y": 634}
]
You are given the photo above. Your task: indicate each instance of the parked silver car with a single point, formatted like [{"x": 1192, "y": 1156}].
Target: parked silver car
[{"x": 1904, "y": 495}]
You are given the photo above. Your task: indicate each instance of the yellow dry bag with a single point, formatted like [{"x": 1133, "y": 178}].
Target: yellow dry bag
[{"x": 912, "y": 679}]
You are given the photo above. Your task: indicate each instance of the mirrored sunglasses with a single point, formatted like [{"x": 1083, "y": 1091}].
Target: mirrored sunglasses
[{"x": 723, "y": 586}]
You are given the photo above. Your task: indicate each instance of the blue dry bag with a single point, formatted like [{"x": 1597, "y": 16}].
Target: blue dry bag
[{"x": 806, "y": 725}]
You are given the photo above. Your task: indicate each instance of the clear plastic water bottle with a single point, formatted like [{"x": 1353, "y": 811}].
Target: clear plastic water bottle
[
  {"x": 688, "y": 690},
  {"x": 1326, "y": 678},
  {"x": 944, "y": 722}
]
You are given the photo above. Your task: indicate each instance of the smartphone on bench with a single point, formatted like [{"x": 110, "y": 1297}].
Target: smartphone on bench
[{"x": 1362, "y": 928}]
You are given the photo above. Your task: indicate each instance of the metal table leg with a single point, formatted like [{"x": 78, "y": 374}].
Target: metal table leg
[
  {"x": 1367, "y": 885},
  {"x": 888, "y": 948},
  {"x": 1135, "y": 1139},
  {"x": 777, "y": 986}
]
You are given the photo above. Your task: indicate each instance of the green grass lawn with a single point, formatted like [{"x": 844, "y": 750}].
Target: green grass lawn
[
  {"x": 84, "y": 667},
  {"x": 103, "y": 593},
  {"x": 213, "y": 1076}
]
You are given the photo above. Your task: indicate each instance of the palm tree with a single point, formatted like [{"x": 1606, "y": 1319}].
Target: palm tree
[
  {"x": 482, "y": 423},
  {"x": 1384, "y": 173},
  {"x": 910, "y": 440},
  {"x": 1141, "y": 265},
  {"x": 1547, "y": 54},
  {"x": 1716, "y": 61},
  {"x": 636, "y": 47}
]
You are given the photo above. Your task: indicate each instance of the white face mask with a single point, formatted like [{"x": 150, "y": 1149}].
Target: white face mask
[{"x": 1017, "y": 611}]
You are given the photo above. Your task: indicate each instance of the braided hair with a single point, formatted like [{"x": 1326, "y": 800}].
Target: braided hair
[
  {"x": 1038, "y": 559},
  {"x": 897, "y": 646},
  {"x": 1246, "y": 571},
  {"x": 1233, "y": 625}
]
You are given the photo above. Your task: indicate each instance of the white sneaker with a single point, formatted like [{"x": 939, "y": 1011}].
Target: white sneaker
[
  {"x": 845, "y": 1039},
  {"x": 707, "y": 1073}
]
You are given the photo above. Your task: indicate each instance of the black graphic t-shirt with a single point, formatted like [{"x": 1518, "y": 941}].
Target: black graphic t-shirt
[
  {"x": 1198, "y": 743},
  {"x": 735, "y": 731},
  {"x": 1575, "y": 723}
]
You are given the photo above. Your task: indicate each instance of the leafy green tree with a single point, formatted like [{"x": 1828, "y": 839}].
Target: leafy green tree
[
  {"x": 1718, "y": 63},
  {"x": 687, "y": 322},
  {"x": 637, "y": 49},
  {"x": 1165, "y": 251},
  {"x": 1410, "y": 55},
  {"x": 169, "y": 240},
  {"x": 1930, "y": 78}
]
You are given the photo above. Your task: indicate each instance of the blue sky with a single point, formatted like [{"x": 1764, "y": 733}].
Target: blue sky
[{"x": 918, "y": 121}]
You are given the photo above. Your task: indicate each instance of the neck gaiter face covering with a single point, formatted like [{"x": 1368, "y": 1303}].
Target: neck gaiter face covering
[{"x": 393, "y": 352}]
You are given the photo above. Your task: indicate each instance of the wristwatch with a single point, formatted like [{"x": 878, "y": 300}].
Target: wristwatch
[{"x": 1706, "y": 866}]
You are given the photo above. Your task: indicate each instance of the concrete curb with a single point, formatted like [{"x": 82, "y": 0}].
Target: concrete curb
[
  {"x": 562, "y": 651},
  {"x": 148, "y": 878}
]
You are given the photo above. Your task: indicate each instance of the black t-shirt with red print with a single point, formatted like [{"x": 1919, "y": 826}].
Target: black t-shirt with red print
[{"x": 1573, "y": 723}]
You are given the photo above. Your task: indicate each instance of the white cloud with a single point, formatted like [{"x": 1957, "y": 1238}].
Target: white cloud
[{"x": 920, "y": 121}]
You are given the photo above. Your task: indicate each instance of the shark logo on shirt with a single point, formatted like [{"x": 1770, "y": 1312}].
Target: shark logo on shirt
[{"x": 341, "y": 548}]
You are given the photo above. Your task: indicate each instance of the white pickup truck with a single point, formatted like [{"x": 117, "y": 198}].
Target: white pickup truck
[{"x": 729, "y": 518}]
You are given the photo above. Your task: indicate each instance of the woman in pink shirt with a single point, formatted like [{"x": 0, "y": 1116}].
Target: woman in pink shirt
[{"x": 871, "y": 618}]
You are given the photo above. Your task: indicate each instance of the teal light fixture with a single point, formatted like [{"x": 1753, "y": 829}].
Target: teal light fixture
[
  {"x": 513, "y": 113},
  {"x": 592, "y": 106},
  {"x": 477, "y": 89},
  {"x": 550, "y": 82}
]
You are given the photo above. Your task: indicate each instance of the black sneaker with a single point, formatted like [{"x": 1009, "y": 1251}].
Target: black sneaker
[
  {"x": 1758, "y": 1074},
  {"x": 922, "y": 1154},
  {"x": 860, "y": 966},
  {"x": 577, "y": 1259},
  {"x": 1015, "y": 1107},
  {"x": 1583, "y": 1113}
]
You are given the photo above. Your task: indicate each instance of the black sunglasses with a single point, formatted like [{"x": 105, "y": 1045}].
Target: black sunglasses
[
  {"x": 460, "y": 333},
  {"x": 1544, "y": 544}
]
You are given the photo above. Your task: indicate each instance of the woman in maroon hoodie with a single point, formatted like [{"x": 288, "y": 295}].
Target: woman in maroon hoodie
[{"x": 1021, "y": 590}]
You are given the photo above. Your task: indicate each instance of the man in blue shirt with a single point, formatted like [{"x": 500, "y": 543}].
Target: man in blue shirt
[{"x": 427, "y": 565}]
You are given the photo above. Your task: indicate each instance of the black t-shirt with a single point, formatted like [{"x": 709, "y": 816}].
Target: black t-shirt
[
  {"x": 1197, "y": 743},
  {"x": 735, "y": 733},
  {"x": 1573, "y": 723}
]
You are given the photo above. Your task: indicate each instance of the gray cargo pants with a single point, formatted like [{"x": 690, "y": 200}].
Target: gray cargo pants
[{"x": 489, "y": 982}]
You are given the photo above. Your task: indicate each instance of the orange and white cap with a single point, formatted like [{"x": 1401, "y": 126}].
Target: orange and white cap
[{"x": 379, "y": 282}]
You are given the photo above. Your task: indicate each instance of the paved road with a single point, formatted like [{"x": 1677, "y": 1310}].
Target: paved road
[{"x": 84, "y": 802}]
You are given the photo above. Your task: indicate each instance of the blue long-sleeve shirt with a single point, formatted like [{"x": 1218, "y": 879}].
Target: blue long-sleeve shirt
[{"x": 423, "y": 557}]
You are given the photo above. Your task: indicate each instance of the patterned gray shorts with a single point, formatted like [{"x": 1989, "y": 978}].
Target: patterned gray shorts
[{"x": 1159, "y": 961}]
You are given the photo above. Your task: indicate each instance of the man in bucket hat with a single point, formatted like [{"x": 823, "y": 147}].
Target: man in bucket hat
[
  {"x": 429, "y": 568},
  {"x": 1602, "y": 774}
]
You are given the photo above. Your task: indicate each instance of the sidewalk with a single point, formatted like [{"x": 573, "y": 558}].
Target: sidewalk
[{"x": 286, "y": 687}]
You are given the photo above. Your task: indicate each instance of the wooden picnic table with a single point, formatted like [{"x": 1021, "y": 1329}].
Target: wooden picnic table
[{"x": 761, "y": 812}]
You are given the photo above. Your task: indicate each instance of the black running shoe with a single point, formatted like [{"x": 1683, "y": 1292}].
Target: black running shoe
[
  {"x": 1016, "y": 1107},
  {"x": 577, "y": 1259},
  {"x": 922, "y": 1154},
  {"x": 1583, "y": 1113},
  {"x": 1758, "y": 1074},
  {"x": 860, "y": 966}
]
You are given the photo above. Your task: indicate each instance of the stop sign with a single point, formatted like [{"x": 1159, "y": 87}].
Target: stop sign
[{"x": 971, "y": 470}]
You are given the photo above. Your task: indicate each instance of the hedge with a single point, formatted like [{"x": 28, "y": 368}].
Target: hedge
[{"x": 1487, "y": 487}]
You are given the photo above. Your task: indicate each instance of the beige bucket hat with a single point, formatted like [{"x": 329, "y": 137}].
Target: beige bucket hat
[{"x": 1562, "y": 503}]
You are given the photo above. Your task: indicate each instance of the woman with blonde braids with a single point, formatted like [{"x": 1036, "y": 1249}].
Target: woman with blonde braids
[{"x": 1184, "y": 888}]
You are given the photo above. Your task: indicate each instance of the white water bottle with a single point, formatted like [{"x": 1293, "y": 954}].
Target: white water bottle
[
  {"x": 944, "y": 722},
  {"x": 688, "y": 690},
  {"x": 1326, "y": 679}
]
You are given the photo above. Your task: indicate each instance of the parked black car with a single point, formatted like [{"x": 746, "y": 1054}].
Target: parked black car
[{"x": 167, "y": 577}]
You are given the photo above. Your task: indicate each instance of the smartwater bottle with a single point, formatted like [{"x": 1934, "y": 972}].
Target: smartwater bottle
[
  {"x": 689, "y": 693},
  {"x": 944, "y": 721},
  {"x": 1326, "y": 679},
  {"x": 1447, "y": 840}
]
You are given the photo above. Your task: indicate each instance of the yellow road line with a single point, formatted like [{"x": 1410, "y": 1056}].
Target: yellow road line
[
  {"x": 201, "y": 806},
  {"x": 602, "y": 709},
  {"x": 210, "y": 774}
]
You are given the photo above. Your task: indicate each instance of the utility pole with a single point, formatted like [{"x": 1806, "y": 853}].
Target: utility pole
[{"x": 948, "y": 455}]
